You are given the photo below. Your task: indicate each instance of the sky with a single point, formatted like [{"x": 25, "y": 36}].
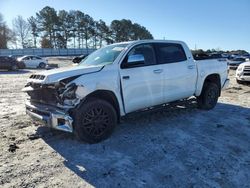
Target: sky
[{"x": 206, "y": 24}]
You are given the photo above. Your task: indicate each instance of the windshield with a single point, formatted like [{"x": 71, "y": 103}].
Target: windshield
[{"x": 103, "y": 56}]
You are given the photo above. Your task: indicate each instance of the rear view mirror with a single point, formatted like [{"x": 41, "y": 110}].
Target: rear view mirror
[{"x": 136, "y": 59}]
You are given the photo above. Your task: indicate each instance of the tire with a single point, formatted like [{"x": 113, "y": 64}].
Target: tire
[
  {"x": 42, "y": 65},
  {"x": 21, "y": 65},
  {"x": 239, "y": 81},
  {"x": 94, "y": 120},
  {"x": 209, "y": 96}
]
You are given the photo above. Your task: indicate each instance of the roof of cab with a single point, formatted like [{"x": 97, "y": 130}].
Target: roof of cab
[{"x": 151, "y": 41}]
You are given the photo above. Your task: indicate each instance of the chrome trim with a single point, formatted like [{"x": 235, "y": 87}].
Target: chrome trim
[{"x": 50, "y": 116}]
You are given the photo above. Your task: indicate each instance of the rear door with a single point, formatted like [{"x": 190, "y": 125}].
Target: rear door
[
  {"x": 28, "y": 62},
  {"x": 179, "y": 71},
  {"x": 36, "y": 61},
  {"x": 141, "y": 78}
]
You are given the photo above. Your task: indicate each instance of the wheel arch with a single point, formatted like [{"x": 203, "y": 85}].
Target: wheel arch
[
  {"x": 213, "y": 78},
  {"x": 108, "y": 96},
  {"x": 41, "y": 63}
]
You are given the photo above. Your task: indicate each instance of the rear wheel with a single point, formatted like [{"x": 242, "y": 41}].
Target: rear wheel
[
  {"x": 209, "y": 96},
  {"x": 21, "y": 65},
  {"x": 42, "y": 65},
  {"x": 95, "y": 120}
]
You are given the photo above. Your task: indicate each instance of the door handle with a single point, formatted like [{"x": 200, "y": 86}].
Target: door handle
[
  {"x": 157, "y": 71},
  {"x": 191, "y": 66},
  {"x": 125, "y": 77}
]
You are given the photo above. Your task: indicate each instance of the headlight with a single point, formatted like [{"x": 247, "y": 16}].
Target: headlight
[{"x": 239, "y": 68}]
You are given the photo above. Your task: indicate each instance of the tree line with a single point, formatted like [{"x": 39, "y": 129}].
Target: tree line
[
  {"x": 211, "y": 51},
  {"x": 62, "y": 29}
]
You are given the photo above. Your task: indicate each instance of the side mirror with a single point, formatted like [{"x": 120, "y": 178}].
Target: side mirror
[{"x": 136, "y": 59}]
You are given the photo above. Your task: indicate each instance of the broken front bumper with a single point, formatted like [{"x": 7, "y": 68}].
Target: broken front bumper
[{"x": 50, "y": 116}]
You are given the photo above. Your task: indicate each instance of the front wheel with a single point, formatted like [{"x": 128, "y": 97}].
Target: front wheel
[
  {"x": 209, "y": 96},
  {"x": 95, "y": 120},
  {"x": 14, "y": 68}
]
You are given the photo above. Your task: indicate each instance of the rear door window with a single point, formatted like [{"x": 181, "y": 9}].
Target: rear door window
[
  {"x": 35, "y": 58},
  {"x": 170, "y": 53}
]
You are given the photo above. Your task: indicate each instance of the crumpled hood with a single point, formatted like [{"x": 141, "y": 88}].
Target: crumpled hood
[{"x": 55, "y": 75}]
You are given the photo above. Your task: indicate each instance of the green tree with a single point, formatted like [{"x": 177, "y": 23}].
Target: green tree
[
  {"x": 93, "y": 30},
  {"x": 73, "y": 26},
  {"x": 6, "y": 34},
  {"x": 65, "y": 20},
  {"x": 139, "y": 32},
  {"x": 121, "y": 30},
  {"x": 124, "y": 30},
  {"x": 88, "y": 29},
  {"x": 48, "y": 23},
  {"x": 79, "y": 26},
  {"x": 34, "y": 29},
  {"x": 62, "y": 27},
  {"x": 46, "y": 43},
  {"x": 104, "y": 33}
]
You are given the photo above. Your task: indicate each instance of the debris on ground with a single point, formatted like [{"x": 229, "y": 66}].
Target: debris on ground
[
  {"x": 34, "y": 136},
  {"x": 13, "y": 147}
]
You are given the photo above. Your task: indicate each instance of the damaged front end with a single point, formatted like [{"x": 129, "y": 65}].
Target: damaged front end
[{"x": 53, "y": 104}]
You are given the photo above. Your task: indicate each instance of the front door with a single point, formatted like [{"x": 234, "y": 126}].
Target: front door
[
  {"x": 141, "y": 79},
  {"x": 28, "y": 62}
]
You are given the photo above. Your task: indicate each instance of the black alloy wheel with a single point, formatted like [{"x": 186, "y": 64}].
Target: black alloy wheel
[
  {"x": 94, "y": 120},
  {"x": 42, "y": 65},
  {"x": 209, "y": 96}
]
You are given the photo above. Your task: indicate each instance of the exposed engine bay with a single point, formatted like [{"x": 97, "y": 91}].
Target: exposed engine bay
[{"x": 62, "y": 94}]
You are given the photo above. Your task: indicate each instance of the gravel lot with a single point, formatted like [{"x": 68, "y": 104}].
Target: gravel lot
[{"x": 179, "y": 146}]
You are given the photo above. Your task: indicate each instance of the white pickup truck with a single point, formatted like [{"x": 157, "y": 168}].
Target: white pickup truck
[
  {"x": 243, "y": 72},
  {"x": 121, "y": 78}
]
